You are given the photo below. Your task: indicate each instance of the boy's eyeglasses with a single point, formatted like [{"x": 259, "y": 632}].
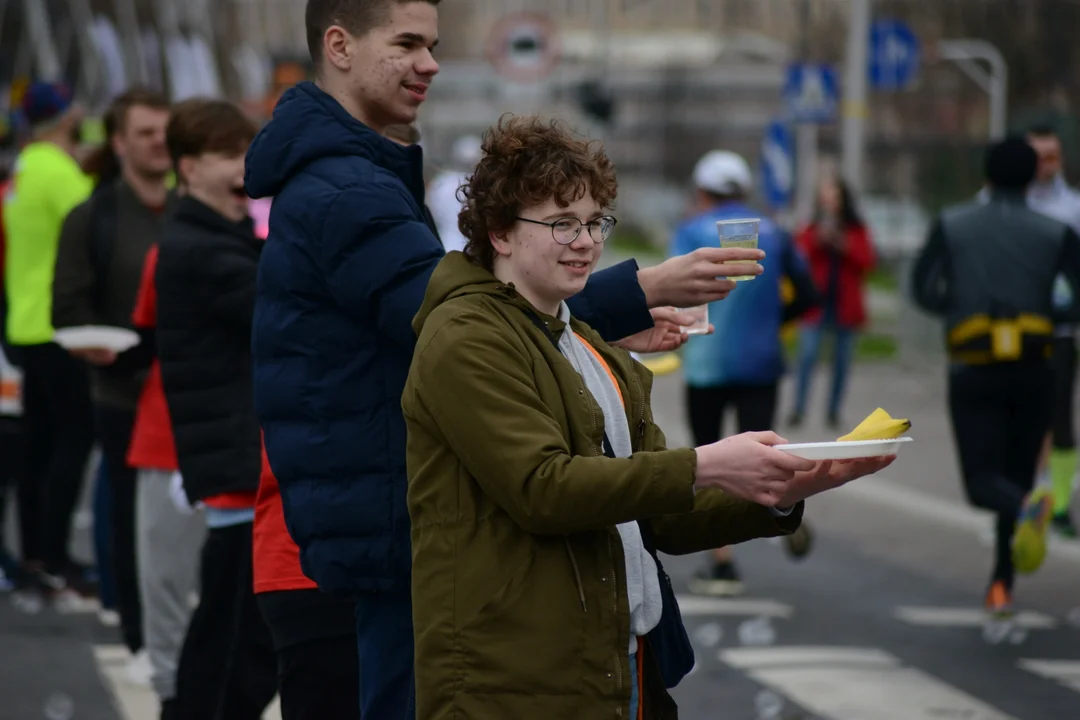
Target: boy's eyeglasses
[{"x": 567, "y": 230}]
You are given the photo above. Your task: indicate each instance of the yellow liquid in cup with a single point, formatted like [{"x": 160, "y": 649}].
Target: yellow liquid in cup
[{"x": 741, "y": 241}]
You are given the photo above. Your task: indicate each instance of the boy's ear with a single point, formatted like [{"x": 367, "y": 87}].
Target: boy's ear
[
  {"x": 185, "y": 165},
  {"x": 500, "y": 243}
]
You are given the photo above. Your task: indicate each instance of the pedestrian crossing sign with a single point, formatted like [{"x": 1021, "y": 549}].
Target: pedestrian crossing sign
[{"x": 812, "y": 93}]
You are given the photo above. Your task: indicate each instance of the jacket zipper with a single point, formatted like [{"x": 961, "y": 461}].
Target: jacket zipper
[
  {"x": 641, "y": 425},
  {"x": 577, "y": 574},
  {"x": 615, "y": 603}
]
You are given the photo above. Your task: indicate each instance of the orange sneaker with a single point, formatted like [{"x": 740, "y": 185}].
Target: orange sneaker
[{"x": 999, "y": 599}]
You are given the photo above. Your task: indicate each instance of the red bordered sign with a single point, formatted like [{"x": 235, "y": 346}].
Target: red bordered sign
[{"x": 523, "y": 47}]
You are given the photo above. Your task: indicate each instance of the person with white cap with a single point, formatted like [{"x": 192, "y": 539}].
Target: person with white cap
[
  {"x": 741, "y": 363},
  {"x": 442, "y": 197}
]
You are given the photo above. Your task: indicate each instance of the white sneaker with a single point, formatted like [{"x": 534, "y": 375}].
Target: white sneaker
[
  {"x": 138, "y": 670},
  {"x": 108, "y": 618}
]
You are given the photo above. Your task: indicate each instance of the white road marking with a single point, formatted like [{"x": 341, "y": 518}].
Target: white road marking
[
  {"x": 696, "y": 606},
  {"x": 969, "y": 617},
  {"x": 135, "y": 702},
  {"x": 838, "y": 683},
  {"x": 69, "y": 603},
  {"x": 774, "y": 657},
  {"x": 894, "y": 496},
  {"x": 1063, "y": 672},
  {"x": 132, "y": 701}
]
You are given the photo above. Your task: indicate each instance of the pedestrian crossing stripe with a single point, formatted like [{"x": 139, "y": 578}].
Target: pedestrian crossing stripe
[
  {"x": 853, "y": 683},
  {"x": 966, "y": 617},
  {"x": 138, "y": 702},
  {"x": 1063, "y": 672},
  {"x": 70, "y": 603},
  {"x": 132, "y": 702},
  {"x": 697, "y": 606}
]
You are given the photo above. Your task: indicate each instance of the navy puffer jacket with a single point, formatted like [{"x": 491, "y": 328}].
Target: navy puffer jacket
[{"x": 344, "y": 271}]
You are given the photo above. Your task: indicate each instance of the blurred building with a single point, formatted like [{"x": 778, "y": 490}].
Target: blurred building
[{"x": 661, "y": 81}]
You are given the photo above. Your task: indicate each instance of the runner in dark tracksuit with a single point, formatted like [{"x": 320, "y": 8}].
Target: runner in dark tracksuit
[{"x": 989, "y": 269}]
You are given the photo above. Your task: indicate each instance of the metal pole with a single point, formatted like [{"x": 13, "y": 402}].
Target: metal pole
[
  {"x": 127, "y": 20},
  {"x": 90, "y": 62},
  {"x": 806, "y": 137},
  {"x": 999, "y": 95},
  {"x": 3, "y": 16},
  {"x": 41, "y": 40},
  {"x": 855, "y": 108},
  {"x": 965, "y": 53}
]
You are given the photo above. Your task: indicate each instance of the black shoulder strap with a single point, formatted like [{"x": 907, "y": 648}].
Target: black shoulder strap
[
  {"x": 103, "y": 228},
  {"x": 535, "y": 320}
]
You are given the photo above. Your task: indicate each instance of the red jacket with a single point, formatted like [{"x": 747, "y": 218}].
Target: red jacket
[{"x": 856, "y": 262}]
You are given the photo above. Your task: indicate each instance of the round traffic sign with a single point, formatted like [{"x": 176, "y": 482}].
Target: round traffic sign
[
  {"x": 894, "y": 55},
  {"x": 523, "y": 47}
]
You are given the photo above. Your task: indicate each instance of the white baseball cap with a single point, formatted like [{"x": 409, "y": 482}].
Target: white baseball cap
[{"x": 723, "y": 173}]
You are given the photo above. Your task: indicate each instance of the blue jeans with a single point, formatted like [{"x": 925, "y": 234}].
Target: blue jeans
[
  {"x": 634, "y": 699},
  {"x": 809, "y": 349},
  {"x": 102, "y": 501},
  {"x": 384, "y": 636}
]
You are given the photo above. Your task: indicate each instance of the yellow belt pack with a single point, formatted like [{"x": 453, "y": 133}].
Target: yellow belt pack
[{"x": 981, "y": 339}]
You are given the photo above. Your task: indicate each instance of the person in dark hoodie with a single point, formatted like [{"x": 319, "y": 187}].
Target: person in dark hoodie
[
  {"x": 344, "y": 271},
  {"x": 205, "y": 280}
]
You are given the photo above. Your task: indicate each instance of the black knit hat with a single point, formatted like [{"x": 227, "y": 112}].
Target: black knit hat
[{"x": 1011, "y": 164}]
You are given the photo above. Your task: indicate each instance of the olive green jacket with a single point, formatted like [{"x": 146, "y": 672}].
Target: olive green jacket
[{"x": 519, "y": 590}]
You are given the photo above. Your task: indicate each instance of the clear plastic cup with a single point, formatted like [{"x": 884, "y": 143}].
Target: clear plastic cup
[
  {"x": 742, "y": 233},
  {"x": 700, "y": 326}
]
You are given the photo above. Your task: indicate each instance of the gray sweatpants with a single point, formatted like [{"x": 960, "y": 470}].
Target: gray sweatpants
[{"x": 168, "y": 547}]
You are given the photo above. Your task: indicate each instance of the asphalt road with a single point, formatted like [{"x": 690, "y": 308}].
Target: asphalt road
[{"x": 881, "y": 622}]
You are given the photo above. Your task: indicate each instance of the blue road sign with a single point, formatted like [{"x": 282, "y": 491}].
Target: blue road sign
[
  {"x": 894, "y": 55},
  {"x": 812, "y": 93},
  {"x": 778, "y": 164}
]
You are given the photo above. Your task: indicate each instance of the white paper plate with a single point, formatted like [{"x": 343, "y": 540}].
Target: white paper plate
[
  {"x": 845, "y": 450},
  {"x": 94, "y": 337}
]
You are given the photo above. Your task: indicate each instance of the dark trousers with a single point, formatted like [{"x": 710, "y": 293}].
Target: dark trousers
[
  {"x": 318, "y": 666},
  {"x": 384, "y": 634},
  {"x": 228, "y": 670},
  {"x": 1000, "y": 415},
  {"x": 102, "y": 539},
  {"x": 755, "y": 409},
  {"x": 11, "y": 470},
  {"x": 320, "y": 679},
  {"x": 114, "y": 426},
  {"x": 58, "y": 423},
  {"x": 1064, "y": 362}
]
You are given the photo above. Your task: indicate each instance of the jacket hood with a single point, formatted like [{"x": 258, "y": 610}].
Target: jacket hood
[
  {"x": 457, "y": 276},
  {"x": 308, "y": 125}
]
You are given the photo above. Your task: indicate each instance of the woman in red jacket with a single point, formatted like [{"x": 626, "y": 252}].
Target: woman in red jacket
[{"x": 837, "y": 245}]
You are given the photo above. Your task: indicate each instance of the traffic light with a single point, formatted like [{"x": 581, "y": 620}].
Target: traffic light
[{"x": 597, "y": 101}]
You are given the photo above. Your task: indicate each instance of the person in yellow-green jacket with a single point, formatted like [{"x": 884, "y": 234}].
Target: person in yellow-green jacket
[
  {"x": 540, "y": 489},
  {"x": 46, "y": 185}
]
